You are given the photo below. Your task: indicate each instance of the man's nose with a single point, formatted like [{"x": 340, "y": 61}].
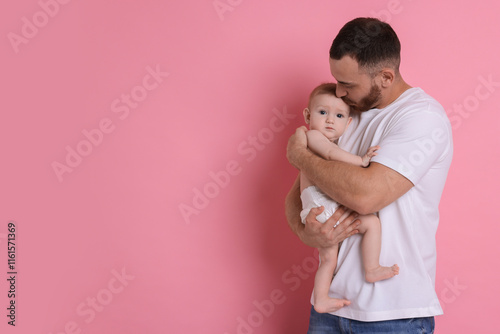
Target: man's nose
[{"x": 341, "y": 92}]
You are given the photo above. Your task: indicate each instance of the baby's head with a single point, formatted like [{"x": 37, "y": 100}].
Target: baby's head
[{"x": 326, "y": 112}]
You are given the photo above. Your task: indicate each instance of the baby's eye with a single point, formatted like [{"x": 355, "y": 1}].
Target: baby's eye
[
  {"x": 322, "y": 112},
  {"x": 340, "y": 115}
]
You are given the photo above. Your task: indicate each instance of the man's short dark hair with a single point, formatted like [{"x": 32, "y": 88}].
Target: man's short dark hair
[{"x": 369, "y": 41}]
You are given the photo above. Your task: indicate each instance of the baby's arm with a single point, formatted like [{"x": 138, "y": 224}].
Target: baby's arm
[
  {"x": 323, "y": 147},
  {"x": 369, "y": 155}
]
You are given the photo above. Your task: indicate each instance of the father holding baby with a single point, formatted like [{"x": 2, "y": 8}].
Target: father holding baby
[{"x": 403, "y": 185}]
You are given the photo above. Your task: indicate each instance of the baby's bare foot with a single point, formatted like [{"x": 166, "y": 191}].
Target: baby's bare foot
[
  {"x": 328, "y": 305},
  {"x": 381, "y": 273}
]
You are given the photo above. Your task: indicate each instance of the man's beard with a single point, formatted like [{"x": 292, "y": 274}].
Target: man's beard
[{"x": 368, "y": 102}]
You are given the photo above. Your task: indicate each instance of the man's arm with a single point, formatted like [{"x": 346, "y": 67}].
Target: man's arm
[
  {"x": 365, "y": 190},
  {"x": 293, "y": 207},
  {"x": 313, "y": 233}
]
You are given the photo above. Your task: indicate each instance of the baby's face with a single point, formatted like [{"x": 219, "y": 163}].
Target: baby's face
[{"x": 329, "y": 115}]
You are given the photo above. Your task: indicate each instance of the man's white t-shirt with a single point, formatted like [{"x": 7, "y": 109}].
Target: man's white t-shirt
[{"x": 415, "y": 137}]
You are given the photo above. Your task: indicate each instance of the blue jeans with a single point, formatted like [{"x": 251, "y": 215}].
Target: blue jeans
[{"x": 324, "y": 323}]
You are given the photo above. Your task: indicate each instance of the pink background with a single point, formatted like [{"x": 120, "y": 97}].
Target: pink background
[{"x": 231, "y": 265}]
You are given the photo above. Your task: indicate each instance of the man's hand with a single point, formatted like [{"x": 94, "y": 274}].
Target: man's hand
[
  {"x": 296, "y": 144},
  {"x": 316, "y": 234}
]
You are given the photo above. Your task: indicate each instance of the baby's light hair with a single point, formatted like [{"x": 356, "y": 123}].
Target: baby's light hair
[{"x": 328, "y": 88}]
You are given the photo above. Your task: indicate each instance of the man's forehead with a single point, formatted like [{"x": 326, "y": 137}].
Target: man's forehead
[{"x": 345, "y": 70}]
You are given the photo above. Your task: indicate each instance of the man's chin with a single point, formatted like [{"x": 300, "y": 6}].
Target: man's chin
[
  {"x": 357, "y": 108},
  {"x": 354, "y": 107},
  {"x": 351, "y": 105}
]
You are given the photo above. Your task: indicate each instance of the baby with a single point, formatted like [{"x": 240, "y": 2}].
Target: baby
[{"x": 328, "y": 118}]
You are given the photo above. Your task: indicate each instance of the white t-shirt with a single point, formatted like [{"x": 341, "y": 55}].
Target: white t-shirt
[{"x": 415, "y": 137}]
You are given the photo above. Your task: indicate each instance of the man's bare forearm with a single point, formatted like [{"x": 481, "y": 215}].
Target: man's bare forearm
[
  {"x": 293, "y": 206},
  {"x": 364, "y": 190}
]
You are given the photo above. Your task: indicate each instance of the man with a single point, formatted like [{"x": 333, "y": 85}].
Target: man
[{"x": 403, "y": 184}]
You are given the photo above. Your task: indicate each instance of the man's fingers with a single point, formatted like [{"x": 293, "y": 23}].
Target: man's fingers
[
  {"x": 311, "y": 216},
  {"x": 353, "y": 232},
  {"x": 316, "y": 211},
  {"x": 296, "y": 142},
  {"x": 301, "y": 129},
  {"x": 330, "y": 233},
  {"x": 337, "y": 216},
  {"x": 347, "y": 224},
  {"x": 300, "y": 132},
  {"x": 349, "y": 219}
]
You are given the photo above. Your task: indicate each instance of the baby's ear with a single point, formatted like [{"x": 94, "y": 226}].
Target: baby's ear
[
  {"x": 307, "y": 115},
  {"x": 348, "y": 122}
]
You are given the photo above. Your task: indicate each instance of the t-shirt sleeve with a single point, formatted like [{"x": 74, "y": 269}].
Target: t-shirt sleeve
[{"x": 413, "y": 142}]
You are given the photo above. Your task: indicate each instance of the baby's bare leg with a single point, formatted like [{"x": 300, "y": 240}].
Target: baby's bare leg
[
  {"x": 370, "y": 250},
  {"x": 322, "y": 302}
]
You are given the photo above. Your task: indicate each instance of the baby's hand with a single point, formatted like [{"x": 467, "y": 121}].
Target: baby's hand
[{"x": 370, "y": 154}]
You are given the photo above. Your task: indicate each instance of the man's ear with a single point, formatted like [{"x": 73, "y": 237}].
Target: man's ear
[
  {"x": 307, "y": 115},
  {"x": 387, "y": 77}
]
